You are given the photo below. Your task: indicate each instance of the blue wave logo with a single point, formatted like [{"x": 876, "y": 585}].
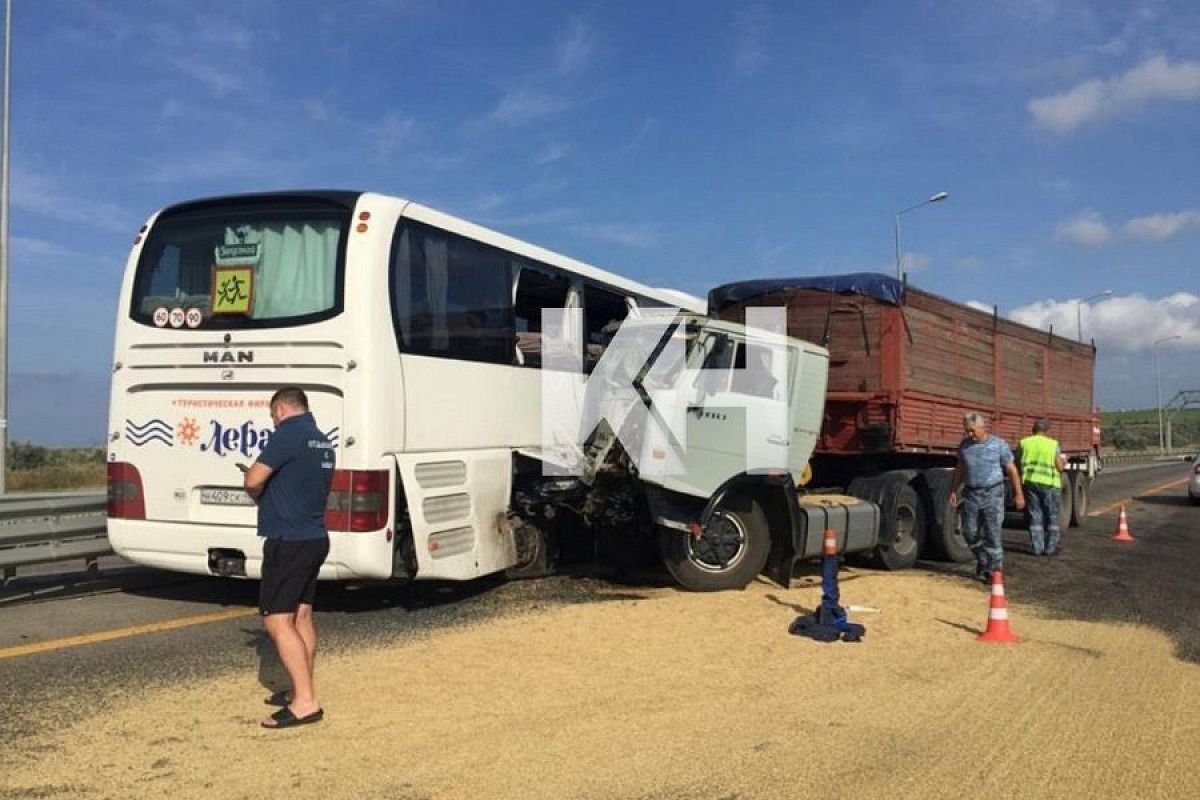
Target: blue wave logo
[
  {"x": 156, "y": 430},
  {"x": 332, "y": 435}
]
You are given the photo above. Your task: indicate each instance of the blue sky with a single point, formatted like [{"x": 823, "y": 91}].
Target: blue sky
[{"x": 683, "y": 144}]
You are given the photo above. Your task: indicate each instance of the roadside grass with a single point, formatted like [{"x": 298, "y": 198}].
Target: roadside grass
[
  {"x": 53, "y": 478},
  {"x": 35, "y": 468}
]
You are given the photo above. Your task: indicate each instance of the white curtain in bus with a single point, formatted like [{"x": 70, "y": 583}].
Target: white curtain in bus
[
  {"x": 403, "y": 278},
  {"x": 437, "y": 285},
  {"x": 296, "y": 272}
]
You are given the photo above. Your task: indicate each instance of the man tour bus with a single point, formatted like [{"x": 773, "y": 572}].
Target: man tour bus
[
  {"x": 415, "y": 336},
  {"x": 418, "y": 340}
]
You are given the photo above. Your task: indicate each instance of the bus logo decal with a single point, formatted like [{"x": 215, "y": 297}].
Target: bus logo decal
[
  {"x": 246, "y": 439},
  {"x": 228, "y": 357},
  {"x": 155, "y": 430}
]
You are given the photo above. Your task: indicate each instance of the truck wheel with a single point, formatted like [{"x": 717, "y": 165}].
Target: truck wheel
[
  {"x": 1066, "y": 504},
  {"x": 730, "y": 552},
  {"x": 1081, "y": 493},
  {"x": 902, "y": 524},
  {"x": 945, "y": 528}
]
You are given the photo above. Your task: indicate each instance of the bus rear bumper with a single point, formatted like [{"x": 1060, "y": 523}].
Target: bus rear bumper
[{"x": 215, "y": 549}]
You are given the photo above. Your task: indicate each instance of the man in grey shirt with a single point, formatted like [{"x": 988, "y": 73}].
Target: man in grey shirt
[{"x": 983, "y": 461}]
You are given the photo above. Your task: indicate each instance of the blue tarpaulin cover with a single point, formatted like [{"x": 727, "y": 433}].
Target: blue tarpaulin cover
[{"x": 869, "y": 284}]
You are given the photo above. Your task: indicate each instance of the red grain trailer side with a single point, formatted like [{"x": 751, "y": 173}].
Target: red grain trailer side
[{"x": 904, "y": 366}]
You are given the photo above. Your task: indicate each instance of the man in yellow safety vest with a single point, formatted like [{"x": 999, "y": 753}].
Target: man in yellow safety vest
[{"x": 1042, "y": 464}]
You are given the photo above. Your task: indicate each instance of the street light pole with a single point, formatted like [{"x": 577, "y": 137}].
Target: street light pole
[
  {"x": 5, "y": 139},
  {"x": 936, "y": 198},
  {"x": 1158, "y": 390},
  {"x": 1079, "y": 317}
]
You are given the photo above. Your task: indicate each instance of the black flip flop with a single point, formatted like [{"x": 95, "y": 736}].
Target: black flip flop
[
  {"x": 284, "y": 718},
  {"x": 279, "y": 698}
]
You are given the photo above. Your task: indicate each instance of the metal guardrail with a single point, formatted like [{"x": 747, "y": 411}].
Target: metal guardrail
[
  {"x": 40, "y": 528},
  {"x": 1143, "y": 458}
]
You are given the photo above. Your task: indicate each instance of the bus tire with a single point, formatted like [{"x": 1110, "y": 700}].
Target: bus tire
[
  {"x": 901, "y": 524},
  {"x": 1081, "y": 494},
  {"x": 945, "y": 539},
  {"x": 730, "y": 552},
  {"x": 537, "y": 552}
]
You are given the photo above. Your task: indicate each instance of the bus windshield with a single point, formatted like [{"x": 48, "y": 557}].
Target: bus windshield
[{"x": 241, "y": 265}]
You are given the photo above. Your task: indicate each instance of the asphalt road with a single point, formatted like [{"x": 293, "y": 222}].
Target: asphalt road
[{"x": 1151, "y": 581}]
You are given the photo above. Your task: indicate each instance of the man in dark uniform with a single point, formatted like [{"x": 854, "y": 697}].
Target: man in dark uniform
[{"x": 290, "y": 482}]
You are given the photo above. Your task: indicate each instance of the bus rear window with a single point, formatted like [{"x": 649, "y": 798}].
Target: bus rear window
[{"x": 246, "y": 265}]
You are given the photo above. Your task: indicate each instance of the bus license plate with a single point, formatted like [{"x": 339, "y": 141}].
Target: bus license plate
[{"x": 225, "y": 497}]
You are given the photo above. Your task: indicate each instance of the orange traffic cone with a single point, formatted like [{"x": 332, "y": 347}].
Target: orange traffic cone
[
  {"x": 830, "y": 543},
  {"x": 1122, "y": 534},
  {"x": 997, "y": 624}
]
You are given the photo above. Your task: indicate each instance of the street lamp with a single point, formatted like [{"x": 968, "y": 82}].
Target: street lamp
[
  {"x": 1158, "y": 388},
  {"x": 1080, "y": 304},
  {"x": 937, "y": 198}
]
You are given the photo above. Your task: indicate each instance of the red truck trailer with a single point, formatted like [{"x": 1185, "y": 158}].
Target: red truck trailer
[{"x": 904, "y": 366}]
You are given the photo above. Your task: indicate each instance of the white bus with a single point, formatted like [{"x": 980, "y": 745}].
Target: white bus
[{"x": 417, "y": 339}]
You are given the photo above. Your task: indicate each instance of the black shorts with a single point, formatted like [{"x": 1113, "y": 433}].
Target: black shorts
[{"x": 289, "y": 573}]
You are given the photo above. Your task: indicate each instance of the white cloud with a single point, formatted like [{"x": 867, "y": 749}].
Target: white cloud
[
  {"x": 42, "y": 195},
  {"x": 1086, "y": 228},
  {"x": 523, "y": 105},
  {"x": 624, "y": 234},
  {"x": 1096, "y": 100},
  {"x": 542, "y": 93},
  {"x": 1162, "y": 226},
  {"x": 750, "y": 26},
  {"x": 26, "y": 248},
  {"x": 978, "y": 306},
  {"x": 220, "y": 82},
  {"x": 555, "y": 152},
  {"x": 914, "y": 262},
  {"x": 574, "y": 50},
  {"x": 1129, "y": 324}
]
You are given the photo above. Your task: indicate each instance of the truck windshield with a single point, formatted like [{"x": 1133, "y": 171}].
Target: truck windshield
[{"x": 241, "y": 265}]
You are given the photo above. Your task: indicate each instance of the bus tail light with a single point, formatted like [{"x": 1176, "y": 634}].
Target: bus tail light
[
  {"x": 126, "y": 499},
  {"x": 358, "y": 500}
]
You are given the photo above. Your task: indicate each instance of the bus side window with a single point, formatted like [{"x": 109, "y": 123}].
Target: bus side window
[
  {"x": 451, "y": 296},
  {"x": 536, "y": 289},
  {"x": 603, "y": 313}
]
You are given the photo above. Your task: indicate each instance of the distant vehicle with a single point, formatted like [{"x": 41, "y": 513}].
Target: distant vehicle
[{"x": 1194, "y": 483}]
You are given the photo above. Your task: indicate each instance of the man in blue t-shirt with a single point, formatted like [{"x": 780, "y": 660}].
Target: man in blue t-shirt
[
  {"x": 983, "y": 461},
  {"x": 290, "y": 482}
]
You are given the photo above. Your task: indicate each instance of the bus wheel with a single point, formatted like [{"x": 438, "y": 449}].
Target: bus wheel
[
  {"x": 730, "y": 551},
  {"x": 902, "y": 524},
  {"x": 536, "y": 554},
  {"x": 1081, "y": 491}
]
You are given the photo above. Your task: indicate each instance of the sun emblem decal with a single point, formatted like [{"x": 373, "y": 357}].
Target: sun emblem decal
[{"x": 188, "y": 431}]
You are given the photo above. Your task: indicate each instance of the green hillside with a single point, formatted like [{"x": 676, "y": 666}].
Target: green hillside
[{"x": 1138, "y": 429}]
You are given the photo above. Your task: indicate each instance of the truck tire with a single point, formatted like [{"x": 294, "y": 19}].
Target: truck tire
[
  {"x": 945, "y": 539},
  {"x": 1081, "y": 494},
  {"x": 730, "y": 552},
  {"x": 1066, "y": 503},
  {"x": 902, "y": 517}
]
